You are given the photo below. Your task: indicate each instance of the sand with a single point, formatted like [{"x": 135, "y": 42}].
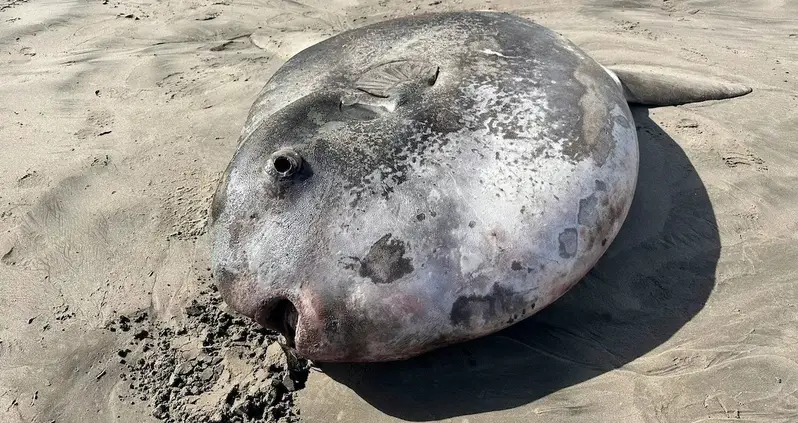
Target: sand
[{"x": 118, "y": 117}]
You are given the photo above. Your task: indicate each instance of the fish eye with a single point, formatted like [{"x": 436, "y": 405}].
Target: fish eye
[
  {"x": 285, "y": 162},
  {"x": 282, "y": 164}
]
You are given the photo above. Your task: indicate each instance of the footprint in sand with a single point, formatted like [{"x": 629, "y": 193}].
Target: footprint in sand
[
  {"x": 734, "y": 159},
  {"x": 31, "y": 179},
  {"x": 98, "y": 123}
]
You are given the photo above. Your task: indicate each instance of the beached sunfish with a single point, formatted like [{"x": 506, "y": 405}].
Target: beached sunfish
[{"x": 428, "y": 180}]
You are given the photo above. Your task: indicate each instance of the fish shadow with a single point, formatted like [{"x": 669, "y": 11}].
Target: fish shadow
[{"x": 656, "y": 275}]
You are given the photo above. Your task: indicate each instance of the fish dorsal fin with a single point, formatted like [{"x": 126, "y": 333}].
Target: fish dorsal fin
[
  {"x": 384, "y": 80},
  {"x": 663, "y": 86}
]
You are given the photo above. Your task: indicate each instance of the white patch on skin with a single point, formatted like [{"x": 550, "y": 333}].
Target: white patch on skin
[
  {"x": 566, "y": 44},
  {"x": 470, "y": 261},
  {"x": 529, "y": 118},
  {"x": 496, "y": 53}
]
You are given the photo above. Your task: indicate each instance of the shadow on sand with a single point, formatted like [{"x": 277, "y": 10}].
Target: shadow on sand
[{"x": 654, "y": 278}]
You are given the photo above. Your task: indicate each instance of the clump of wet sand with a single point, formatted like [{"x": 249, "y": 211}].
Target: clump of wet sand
[{"x": 213, "y": 367}]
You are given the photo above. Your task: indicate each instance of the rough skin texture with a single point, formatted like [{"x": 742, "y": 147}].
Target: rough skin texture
[{"x": 481, "y": 173}]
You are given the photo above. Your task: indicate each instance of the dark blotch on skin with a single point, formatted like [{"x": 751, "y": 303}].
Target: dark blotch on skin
[
  {"x": 385, "y": 261},
  {"x": 568, "y": 242},
  {"x": 474, "y": 309},
  {"x": 471, "y": 224},
  {"x": 420, "y": 217},
  {"x": 516, "y": 265},
  {"x": 588, "y": 212}
]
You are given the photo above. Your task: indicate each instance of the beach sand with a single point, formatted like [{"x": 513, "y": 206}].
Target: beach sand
[{"x": 117, "y": 119}]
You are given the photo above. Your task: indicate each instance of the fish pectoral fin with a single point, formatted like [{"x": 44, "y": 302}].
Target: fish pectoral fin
[
  {"x": 658, "y": 86},
  {"x": 383, "y": 88},
  {"x": 386, "y": 80}
]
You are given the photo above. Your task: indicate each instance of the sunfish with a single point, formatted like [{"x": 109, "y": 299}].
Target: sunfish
[{"x": 428, "y": 180}]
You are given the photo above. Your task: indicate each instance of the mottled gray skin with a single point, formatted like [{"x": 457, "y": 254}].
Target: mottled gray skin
[{"x": 446, "y": 208}]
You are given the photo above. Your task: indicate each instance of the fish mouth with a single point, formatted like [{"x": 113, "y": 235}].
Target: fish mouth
[{"x": 281, "y": 315}]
